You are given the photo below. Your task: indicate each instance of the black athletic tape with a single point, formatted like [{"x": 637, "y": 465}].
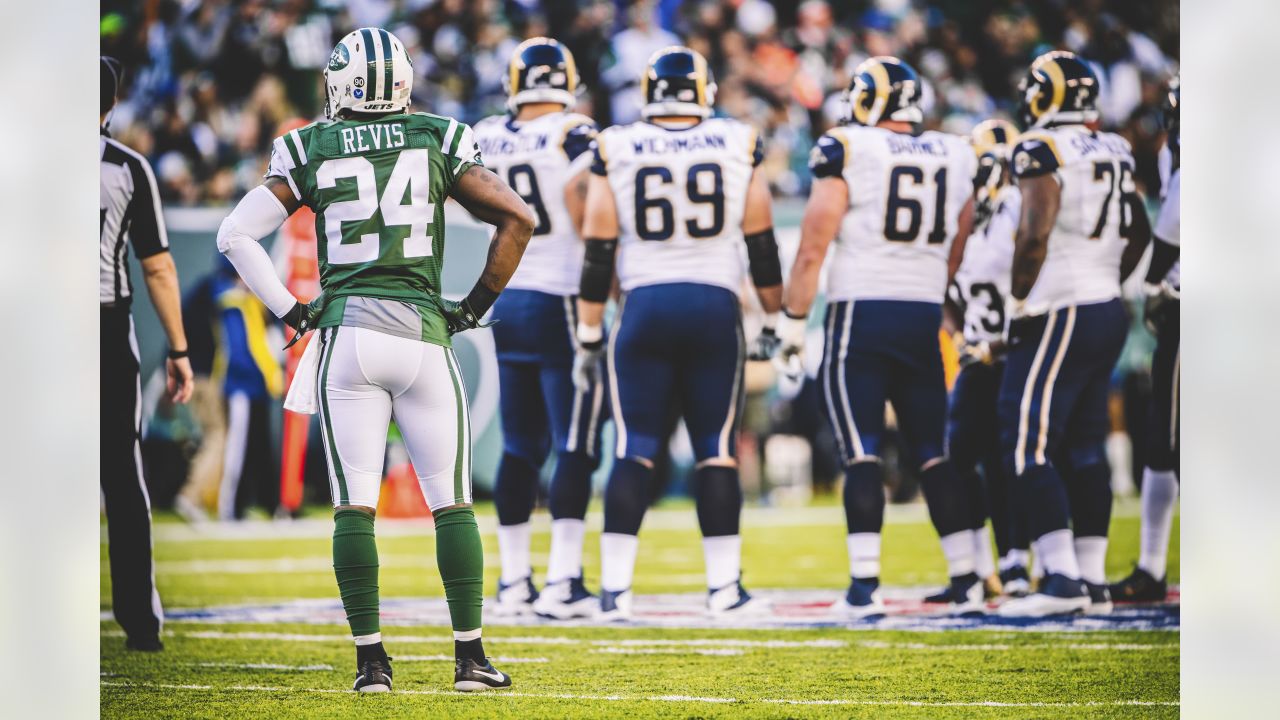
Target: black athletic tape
[
  {"x": 1163, "y": 256},
  {"x": 597, "y": 269},
  {"x": 762, "y": 252},
  {"x": 480, "y": 299}
]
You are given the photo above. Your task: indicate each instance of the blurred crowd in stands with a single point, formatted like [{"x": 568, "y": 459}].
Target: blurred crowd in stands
[{"x": 210, "y": 81}]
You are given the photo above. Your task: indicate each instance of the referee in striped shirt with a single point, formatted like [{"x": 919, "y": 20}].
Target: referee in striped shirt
[{"x": 130, "y": 215}]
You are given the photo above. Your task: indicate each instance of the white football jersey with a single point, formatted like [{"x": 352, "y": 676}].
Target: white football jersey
[
  {"x": 681, "y": 195},
  {"x": 1095, "y": 171},
  {"x": 982, "y": 282},
  {"x": 538, "y": 158},
  {"x": 905, "y": 197},
  {"x": 1169, "y": 221}
]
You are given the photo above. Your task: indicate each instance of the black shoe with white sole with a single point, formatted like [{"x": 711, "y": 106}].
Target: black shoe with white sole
[
  {"x": 373, "y": 675},
  {"x": 471, "y": 676},
  {"x": 1140, "y": 586}
]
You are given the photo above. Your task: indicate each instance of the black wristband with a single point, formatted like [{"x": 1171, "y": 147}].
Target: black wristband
[
  {"x": 178, "y": 354},
  {"x": 792, "y": 315},
  {"x": 1163, "y": 256},
  {"x": 480, "y": 299},
  {"x": 597, "y": 269},
  {"x": 762, "y": 254}
]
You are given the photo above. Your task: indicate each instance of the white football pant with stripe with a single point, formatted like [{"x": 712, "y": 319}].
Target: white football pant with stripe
[{"x": 366, "y": 379}]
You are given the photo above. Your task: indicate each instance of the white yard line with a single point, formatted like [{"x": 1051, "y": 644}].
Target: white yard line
[
  {"x": 660, "y": 698},
  {"x": 880, "y": 645},
  {"x": 310, "y": 637},
  {"x": 450, "y": 658},
  {"x": 262, "y": 666},
  {"x": 710, "y": 652},
  {"x": 723, "y": 642}
]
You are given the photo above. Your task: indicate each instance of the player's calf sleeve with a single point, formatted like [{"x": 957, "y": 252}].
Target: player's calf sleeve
[
  {"x": 864, "y": 497},
  {"x": 460, "y": 558},
  {"x": 947, "y": 498},
  {"x": 626, "y": 497},
  {"x": 571, "y": 485},
  {"x": 976, "y": 490},
  {"x": 1089, "y": 492},
  {"x": 515, "y": 489},
  {"x": 1045, "y": 498},
  {"x": 355, "y": 564},
  {"x": 1019, "y": 532},
  {"x": 718, "y": 496}
]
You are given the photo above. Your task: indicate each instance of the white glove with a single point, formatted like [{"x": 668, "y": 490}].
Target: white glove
[
  {"x": 586, "y": 363},
  {"x": 791, "y": 332},
  {"x": 766, "y": 344}
]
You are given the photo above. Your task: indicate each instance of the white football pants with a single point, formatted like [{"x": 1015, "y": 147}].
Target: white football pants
[{"x": 369, "y": 377}]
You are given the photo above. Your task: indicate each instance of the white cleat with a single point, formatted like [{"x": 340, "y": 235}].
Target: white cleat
[
  {"x": 1099, "y": 600},
  {"x": 862, "y": 600},
  {"x": 614, "y": 606},
  {"x": 566, "y": 600},
  {"x": 968, "y": 596},
  {"x": 1058, "y": 595},
  {"x": 516, "y": 599},
  {"x": 733, "y": 601}
]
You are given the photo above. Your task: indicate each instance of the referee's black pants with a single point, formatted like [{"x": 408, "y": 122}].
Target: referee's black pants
[{"x": 134, "y": 599}]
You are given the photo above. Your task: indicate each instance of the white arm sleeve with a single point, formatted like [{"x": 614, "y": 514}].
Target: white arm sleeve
[{"x": 258, "y": 215}]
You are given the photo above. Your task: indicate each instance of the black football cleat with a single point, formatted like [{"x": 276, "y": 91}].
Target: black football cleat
[
  {"x": 146, "y": 644},
  {"x": 1015, "y": 581},
  {"x": 373, "y": 676},
  {"x": 471, "y": 676},
  {"x": 1140, "y": 586}
]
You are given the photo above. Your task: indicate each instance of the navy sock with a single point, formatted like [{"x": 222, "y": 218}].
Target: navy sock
[
  {"x": 946, "y": 497},
  {"x": 515, "y": 489},
  {"x": 719, "y": 500},
  {"x": 626, "y": 497},
  {"x": 571, "y": 485},
  {"x": 864, "y": 497}
]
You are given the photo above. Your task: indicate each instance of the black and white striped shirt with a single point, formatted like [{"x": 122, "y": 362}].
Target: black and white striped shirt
[{"x": 129, "y": 211}]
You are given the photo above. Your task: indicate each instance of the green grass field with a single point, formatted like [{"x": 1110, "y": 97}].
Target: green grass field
[{"x": 281, "y": 670}]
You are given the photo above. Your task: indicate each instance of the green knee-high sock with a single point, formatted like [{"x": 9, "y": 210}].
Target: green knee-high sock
[
  {"x": 355, "y": 563},
  {"x": 461, "y": 561}
]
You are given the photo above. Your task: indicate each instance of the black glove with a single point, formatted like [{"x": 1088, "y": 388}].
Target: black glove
[
  {"x": 460, "y": 316},
  {"x": 302, "y": 318}
]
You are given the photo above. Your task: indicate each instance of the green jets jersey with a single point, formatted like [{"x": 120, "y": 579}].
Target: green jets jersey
[{"x": 378, "y": 189}]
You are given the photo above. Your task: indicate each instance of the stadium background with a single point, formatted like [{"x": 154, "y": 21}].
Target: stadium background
[{"x": 209, "y": 81}]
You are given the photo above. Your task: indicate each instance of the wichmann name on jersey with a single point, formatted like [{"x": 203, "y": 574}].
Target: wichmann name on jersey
[
  {"x": 380, "y": 137},
  {"x": 678, "y": 143},
  {"x": 907, "y": 145}
]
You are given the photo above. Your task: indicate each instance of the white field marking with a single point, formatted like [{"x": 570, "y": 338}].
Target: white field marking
[
  {"x": 662, "y": 698},
  {"x": 881, "y": 645},
  {"x": 262, "y": 666},
  {"x": 450, "y": 658},
  {"x": 710, "y": 652},
  {"x": 723, "y": 642},
  {"x": 656, "y": 519}
]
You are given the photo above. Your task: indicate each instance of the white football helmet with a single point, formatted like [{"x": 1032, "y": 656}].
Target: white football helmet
[{"x": 368, "y": 72}]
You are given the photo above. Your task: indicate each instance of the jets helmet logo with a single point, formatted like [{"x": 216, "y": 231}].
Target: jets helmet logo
[{"x": 340, "y": 58}]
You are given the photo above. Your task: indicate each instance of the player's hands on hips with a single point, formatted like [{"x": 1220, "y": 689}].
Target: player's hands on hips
[
  {"x": 303, "y": 317},
  {"x": 459, "y": 316},
  {"x": 179, "y": 382},
  {"x": 1159, "y": 303},
  {"x": 790, "y": 354},
  {"x": 586, "y": 362}
]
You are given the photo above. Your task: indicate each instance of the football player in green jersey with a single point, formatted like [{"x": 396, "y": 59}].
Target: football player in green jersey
[{"x": 377, "y": 178}]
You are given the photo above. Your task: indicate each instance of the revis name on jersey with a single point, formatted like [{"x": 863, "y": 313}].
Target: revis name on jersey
[
  {"x": 982, "y": 282},
  {"x": 1094, "y": 170},
  {"x": 681, "y": 195},
  {"x": 538, "y": 159},
  {"x": 905, "y": 197}
]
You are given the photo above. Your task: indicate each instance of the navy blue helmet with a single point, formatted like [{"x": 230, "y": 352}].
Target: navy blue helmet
[
  {"x": 883, "y": 88},
  {"x": 541, "y": 70},
  {"x": 1058, "y": 89},
  {"x": 678, "y": 83}
]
